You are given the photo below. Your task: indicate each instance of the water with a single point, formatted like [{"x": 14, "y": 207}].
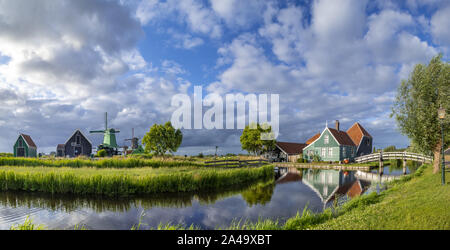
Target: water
[{"x": 291, "y": 192}]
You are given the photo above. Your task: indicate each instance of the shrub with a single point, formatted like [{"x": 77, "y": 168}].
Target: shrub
[{"x": 101, "y": 153}]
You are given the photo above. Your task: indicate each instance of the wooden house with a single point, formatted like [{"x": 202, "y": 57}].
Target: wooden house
[
  {"x": 60, "y": 149},
  {"x": 332, "y": 145},
  {"x": 286, "y": 152},
  {"x": 25, "y": 147},
  {"x": 77, "y": 145},
  {"x": 362, "y": 139},
  {"x": 337, "y": 145}
]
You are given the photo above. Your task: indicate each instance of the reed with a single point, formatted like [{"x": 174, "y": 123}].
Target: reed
[
  {"x": 98, "y": 163},
  {"x": 123, "y": 183}
]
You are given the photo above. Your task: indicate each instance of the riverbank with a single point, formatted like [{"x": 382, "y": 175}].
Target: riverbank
[
  {"x": 125, "y": 182},
  {"x": 417, "y": 201}
]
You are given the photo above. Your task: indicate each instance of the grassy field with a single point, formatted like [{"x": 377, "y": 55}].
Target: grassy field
[
  {"x": 118, "y": 162},
  {"x": 124, "y": 182}
]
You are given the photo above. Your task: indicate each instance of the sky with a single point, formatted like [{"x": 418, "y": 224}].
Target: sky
[{"x": 64, "y": 63}]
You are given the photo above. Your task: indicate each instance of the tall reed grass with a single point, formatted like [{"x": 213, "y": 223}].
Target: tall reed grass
[
  {"x": 98, "y": 163},
  {"x": 68, "y": 181}
]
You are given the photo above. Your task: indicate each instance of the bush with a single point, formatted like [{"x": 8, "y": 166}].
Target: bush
[{"x": 101, "y": 153}]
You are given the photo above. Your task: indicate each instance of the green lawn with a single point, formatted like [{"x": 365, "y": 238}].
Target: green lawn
[
  {"x": 134, "y": 172},
  {"x": 421, "y": 203}
]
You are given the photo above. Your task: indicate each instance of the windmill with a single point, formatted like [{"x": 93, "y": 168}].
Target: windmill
[
  {"x": 109, "y": 138},
  {"x": 134, "y": 140}
]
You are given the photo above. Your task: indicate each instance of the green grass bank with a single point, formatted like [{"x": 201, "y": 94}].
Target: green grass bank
[
  {"x": 97, "y": 163},
  {"x": 125, "y": 182}
]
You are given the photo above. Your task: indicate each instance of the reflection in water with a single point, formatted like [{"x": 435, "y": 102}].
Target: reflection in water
[
  {"x": 332, "y": 184},
  {"x": 279, "y": 199}
]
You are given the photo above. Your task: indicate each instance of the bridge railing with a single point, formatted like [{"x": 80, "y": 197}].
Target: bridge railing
[{"x": 393, "y": 156}]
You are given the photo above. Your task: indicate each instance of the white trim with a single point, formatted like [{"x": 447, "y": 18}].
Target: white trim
[
  {"x": 21, "y": 135},
  {"x": 74, "y": 134},
  {"x": 321, "y": 134}
]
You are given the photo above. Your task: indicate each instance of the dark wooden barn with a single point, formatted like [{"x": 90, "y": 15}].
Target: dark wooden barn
[{"x": 77, "y": 145}]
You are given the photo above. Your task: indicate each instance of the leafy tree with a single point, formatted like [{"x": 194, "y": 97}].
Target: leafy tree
[
  {"x": 251, "y": 139},
  {"x": 390, "y": 149},
  {"x": 162, "y": 138},
  {"x": 416, "y": 105}
]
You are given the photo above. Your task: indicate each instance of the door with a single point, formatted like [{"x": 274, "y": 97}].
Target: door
[
  {"x": 20, "y": 152},
  {"x": 77, "y": 151}
]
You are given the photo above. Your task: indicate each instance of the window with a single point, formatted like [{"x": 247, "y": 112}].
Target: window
[
  {"x": 344, "y": 151},
  {"x": 326, "y": 139},
  {"x": 78, "y": 139},
  {"x": 330, "y": 151},
  {"x": 20, "y": 143},
  {"x": 324, "y": 152}
]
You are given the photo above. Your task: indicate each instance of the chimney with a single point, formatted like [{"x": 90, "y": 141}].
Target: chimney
[{"x": 337, "y": 125}]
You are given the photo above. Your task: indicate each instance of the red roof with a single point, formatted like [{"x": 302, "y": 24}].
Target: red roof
[
  {"x": 291, "y": 148},
  {"x": 28, "y": 140},
  {"x": 342, "y": 137},
  {"x": 312, "y": 139},
  {"x": 356, "y": 132}
]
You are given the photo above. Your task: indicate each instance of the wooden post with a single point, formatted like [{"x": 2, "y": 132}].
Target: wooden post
[
  {"x": 381, "y": 164},
  {"x": 404, "y": 166}
]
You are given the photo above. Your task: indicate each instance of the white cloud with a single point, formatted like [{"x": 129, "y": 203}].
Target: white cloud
[{"x": 440, "y": 23}]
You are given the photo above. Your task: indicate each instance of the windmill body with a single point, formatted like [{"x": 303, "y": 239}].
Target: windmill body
[{"x": 109, "y": 138}]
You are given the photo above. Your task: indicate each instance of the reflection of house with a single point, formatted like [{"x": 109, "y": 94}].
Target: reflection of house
[
  {"x": 286, "y": 175},
  {"x": 337, "y": 145},
  {"x": 77, "y": 144},
  {"x": 25, "y": 147},
  {"x": 327, "y": 183},
  {"x": 286, "y": 152}
]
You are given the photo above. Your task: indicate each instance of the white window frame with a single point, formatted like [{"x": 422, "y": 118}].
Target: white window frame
[
  {"x": 326, "y": 139},
  {"x": 330, "y": 151},
  {"x": 324, "y": 152}
]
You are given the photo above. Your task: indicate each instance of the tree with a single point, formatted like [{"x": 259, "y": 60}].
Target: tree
[
  {"x": 162, "y": 138},
  {"x": 416, "y": 105},
  {"x": 251, "y": 139}
]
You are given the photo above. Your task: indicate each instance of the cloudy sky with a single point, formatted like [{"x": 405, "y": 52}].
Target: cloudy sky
[{"x": 64, "y": 63}]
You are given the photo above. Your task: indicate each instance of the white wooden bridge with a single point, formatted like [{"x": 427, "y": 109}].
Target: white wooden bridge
[{"x": 394, "y": 156}]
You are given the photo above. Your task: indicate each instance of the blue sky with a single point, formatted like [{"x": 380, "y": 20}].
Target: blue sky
[{"x": 63, "y": 64}]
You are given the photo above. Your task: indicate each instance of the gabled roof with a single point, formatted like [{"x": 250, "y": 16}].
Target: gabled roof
[
  {"x": 356, "y": 132},
  {"x": 28, "y": 140},
  {"x": 342, "y": 137},
  {"x": 81, "y": 134},
  {"x": 312, "y": 139},
  {"x": 291, "y": 148}
]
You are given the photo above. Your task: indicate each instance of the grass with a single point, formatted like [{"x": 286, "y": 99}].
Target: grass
[
  {"x": 27, "y": 225},
  {"x": 118, "y": 162},
  {"x": 125, "y": 182},
  {"x": 417, "y": 202}
]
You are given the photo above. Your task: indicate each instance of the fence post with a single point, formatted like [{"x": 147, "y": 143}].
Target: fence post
[
  {"x": 381, "y": 164},
  {"x": 404, "y": 164}
]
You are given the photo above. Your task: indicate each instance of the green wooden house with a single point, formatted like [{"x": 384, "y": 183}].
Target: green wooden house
[
  {"x": 332, "y": 145},
  {"x": 25, "y": 147}
]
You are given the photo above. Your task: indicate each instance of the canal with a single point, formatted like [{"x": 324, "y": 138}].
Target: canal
[{"x": 290, "y": 192}]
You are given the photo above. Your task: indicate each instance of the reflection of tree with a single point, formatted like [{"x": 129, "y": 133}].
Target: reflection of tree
[
  {"x": 69, "y": 203},
  {"x": 259, "y": 194}
]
